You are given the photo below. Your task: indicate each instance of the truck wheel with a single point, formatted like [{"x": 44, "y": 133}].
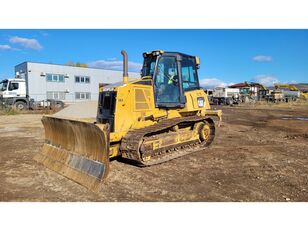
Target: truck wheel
[
  {"x": 229, "y": 101},
  {"x": 20, "y": 105}
]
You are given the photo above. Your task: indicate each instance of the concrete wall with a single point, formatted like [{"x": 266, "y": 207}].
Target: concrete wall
[{"x": 38, "y": 86}]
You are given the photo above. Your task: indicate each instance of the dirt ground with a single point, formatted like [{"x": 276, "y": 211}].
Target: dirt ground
[{"x": 260, "y": 153}]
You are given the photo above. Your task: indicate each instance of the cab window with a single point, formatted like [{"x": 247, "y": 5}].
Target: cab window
[
  {"x": 149, "y": 66},
  {"x": 3, "y": 85},
  {"x": 13, "y": 86},
  {"x": 189, "y": 74}
]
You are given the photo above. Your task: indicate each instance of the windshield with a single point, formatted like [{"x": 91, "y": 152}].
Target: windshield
[
  {"x": 3, "y": 85},
  {"x": 149, "y": 66}
]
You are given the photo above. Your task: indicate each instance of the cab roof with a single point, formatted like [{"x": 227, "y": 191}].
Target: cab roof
[{"x": 161, "y": 52}]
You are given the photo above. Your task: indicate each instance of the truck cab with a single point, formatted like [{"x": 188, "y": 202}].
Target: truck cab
[
  {"x": 12, "y": 88},
  {"x": 225, "y": 96},
  {"x": 13, "y": 92}
]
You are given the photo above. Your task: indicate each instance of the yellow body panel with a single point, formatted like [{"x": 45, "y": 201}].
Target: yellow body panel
[
  {"x": 135, "y": 105},
  {"x": 287, "y": 86},
  {"x": 304, "y": 95}
]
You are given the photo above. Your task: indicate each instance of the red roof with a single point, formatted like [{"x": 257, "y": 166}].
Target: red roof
[{"x": 240, "y": 85}]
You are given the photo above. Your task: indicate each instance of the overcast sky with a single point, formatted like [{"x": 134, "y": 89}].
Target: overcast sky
[{"x": 227, "y": 56}]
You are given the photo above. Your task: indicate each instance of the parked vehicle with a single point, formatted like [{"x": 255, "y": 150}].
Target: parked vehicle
[
  {"x": 225, "y": 96},
  {"x": 278, "y": 95},
  {"x": 289, "y": 92},
  {"x": 146, "y": 121},
  {"x": 274, "y": 96},
  {"x": 13, "y": 93}
]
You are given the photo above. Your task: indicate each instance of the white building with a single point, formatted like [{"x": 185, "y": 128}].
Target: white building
[{"x": 66, "y": 83}]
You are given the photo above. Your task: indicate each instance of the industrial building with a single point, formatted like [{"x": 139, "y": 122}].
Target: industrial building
[{"x": 66, "y": 83}]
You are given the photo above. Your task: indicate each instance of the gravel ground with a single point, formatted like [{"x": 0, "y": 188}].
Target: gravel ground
[{"x": 257, "y": 155}]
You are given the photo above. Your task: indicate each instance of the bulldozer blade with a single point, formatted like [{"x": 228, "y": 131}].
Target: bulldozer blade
[{"x": 77, "y": 150}]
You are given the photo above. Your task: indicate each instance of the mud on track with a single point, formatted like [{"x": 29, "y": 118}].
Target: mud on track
[{"x": 256, "y": 156}]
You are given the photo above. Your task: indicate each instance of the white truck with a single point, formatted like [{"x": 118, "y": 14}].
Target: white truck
[
  {"x": 225, "y": 96},
  {"x": 13, "y": 93}
]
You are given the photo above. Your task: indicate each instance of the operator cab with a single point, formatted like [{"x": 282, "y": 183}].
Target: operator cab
[{"x": 173, "y": 74}]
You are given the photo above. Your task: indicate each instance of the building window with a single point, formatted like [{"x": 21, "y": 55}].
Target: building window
[
  {"x": 55, "y": 78},
  {"x": 82, "y": 79},
  {"x": 83, "y": 95},
  {"x": 57, "y": 95}
]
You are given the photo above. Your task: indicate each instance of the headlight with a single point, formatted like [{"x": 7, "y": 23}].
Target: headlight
[{"x": 200, "y": 101}]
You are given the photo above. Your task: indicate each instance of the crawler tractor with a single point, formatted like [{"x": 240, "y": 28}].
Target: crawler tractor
[{"x": 161, "y": 116}]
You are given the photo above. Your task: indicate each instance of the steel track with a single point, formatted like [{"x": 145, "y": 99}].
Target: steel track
[{"x": 131, "y": 143}]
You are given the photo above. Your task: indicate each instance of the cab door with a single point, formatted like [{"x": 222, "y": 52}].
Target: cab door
[
  {"x": 13, "y": 89},
  {"x": 167, "y": 87}
]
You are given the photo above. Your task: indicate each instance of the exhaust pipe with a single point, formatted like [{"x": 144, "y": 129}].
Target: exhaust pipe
[{"x": 125, "y": 66}]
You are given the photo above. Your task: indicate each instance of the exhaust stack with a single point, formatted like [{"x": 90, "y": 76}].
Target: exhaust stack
[{"x": 125, "y": 66}]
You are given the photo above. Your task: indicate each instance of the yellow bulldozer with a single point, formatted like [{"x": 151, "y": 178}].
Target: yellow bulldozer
[{"x": 161, "y": 116}]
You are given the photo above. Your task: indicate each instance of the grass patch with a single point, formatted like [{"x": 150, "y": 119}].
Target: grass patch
[{"x": 8, "y": 111}]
